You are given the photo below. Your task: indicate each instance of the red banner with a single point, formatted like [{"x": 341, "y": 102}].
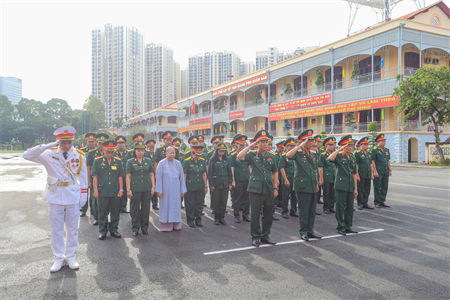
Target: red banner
[
  {"x": 301, "y": 103},
  {"x": 200, "y": 121},
  {"x": 236, "y": 114},
  {"x": 195, "y": 127},
  {"x": 336, "y": 108},
  {"x": 241, "y": 85}
]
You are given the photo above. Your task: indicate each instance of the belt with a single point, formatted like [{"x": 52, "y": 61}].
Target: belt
[{"x": 64, "y": 184}]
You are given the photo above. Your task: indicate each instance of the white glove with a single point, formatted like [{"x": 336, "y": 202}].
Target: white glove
[{"x": 50, "y": 145}]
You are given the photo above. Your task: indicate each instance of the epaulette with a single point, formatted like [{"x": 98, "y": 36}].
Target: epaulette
[
  {"x": 99, "y": 157},
  {"x": 386, "y": 148},
  {"x": 210, "y": 151},
  {"x": 187, "y": 152},
  {"x": 92, "y": 150},
  {"x": 160, "y": 147},
  {"x": 358, "y": 151},
  {"x": 54, "y": 148},
  {"x": 324, "y": 153},
  {"x": 375, "y": 147},
  {"x": 147, "y": 150},
  {"x": 117, "y": 158},
  {"x": 233, "y": 153},
  {"x": 81, "y": 152},
  {"x": 131, "y": 150},
  {"x": 188, "y": 158},
  {"x": 283, "y": 154},
  {"x": 201, "y": 158}
]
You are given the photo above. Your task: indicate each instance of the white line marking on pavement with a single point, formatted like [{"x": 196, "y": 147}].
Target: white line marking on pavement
[
  {"x": 287, "y": 243},
  {"x": 419, "y": 186}
]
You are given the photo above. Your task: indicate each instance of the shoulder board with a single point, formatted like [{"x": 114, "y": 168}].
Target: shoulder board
[
  {"x": 99, "y": 157},
  {"x": 81, "y": 152},
  {"x": 233, "y": 153},
  {"x": 131, "y": 150},
  {"x": 324, "y": 153},
  {"x": 92, "y": 150},
  {"x": 117, "y": 158},
  {"x": 160, "y": 147},
  {"x": 187, "y": 152},
  {"x": 201, "y": 158},
  {"x": 358, "y": 151},
  {"x": 386, "y": 148},
  {"x": 375, "y": 148},
  {"x": 188, "y": 158},
  {"x": 284, "y": 154},
  {"x": 147, "y": 150},
  {"x": 54, "y": 148},
  {"x": 210, "y": 151}
]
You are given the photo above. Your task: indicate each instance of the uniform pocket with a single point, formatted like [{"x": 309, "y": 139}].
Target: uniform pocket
[{"x": 302, "y": 182}]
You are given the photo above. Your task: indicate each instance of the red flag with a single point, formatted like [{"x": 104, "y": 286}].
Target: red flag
[
  {"x": 193, "y": 108},
  {"x": 135, "y": 109}
]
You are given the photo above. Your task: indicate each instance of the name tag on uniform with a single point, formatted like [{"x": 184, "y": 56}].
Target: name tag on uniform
[{"x": 113, "y": 168}]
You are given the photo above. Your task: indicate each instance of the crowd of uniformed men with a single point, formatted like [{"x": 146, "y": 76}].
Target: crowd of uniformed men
[{"x": 293, "y": 178}]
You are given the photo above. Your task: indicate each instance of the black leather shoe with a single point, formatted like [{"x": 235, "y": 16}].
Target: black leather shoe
[
  {"x": 279, "y": 205},
  {"x": 256, "y": 243},
  {"x": 182, "y": 206},
  {"x": 144, "y": 232},
  {"x": 268, "y": 241},
  {"x": 124, "y": 211},
  {"x": 155, "y": 207},
  {"x": 212, "y": 211},
  {"x": 385, "y": 205},
  {"x": 95, "y": 223},
  {"x": 305, "y": 237},
  {"x": 342, "y": 232},
  {"x": 199, "y": 224},
  {"x": 378, "y": 206},
  {"x": 204, "y": 205},
  {"x": 217, "y": 223},
  {"x": 237, "y": 220},
  {"x": 351, "y": 231},
  {"x": 320, "y": 202},
  {"x": 102, "y": 236},
  {"x": 285, "y": 216},
  {"x": 332, "y": 211},
  {"x": 246, "y": 219},
  {"x": 327, "y": 212},
  {"x": 294, "y": 215},
  {"x": 116, "y": 235},
  {"x": 135, "y": 233},
  {"x": 223, "y": 222},
  {"x": 368, "y": 206},
  {"x": 318, "y": 213},
  {"x": 360, "y": 207},
  {"x": 203, "y": 214},
  {"x": 275, "y": 218},
  {"x": 314, "y": 236},
  {"x": 83, "y": 214},
  {"x": 192, "y": 225}
]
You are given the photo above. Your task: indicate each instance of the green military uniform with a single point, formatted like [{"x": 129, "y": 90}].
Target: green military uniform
[
  {"x": 328, "y": 173},
  {"x": 318, "y": 140},
  {"x": 345, "y": 187},
  {"x": 364, "y": 163},
  {"x": 195, "y": 184},
  {"x": 287, "y": 164},
  {"x": 108, "y": 188},
  {"x": 381, "y": 158},
  {"x": 123, "y": 157},
  {"x": 279, "y": 199},
  {"x": 305, "y": 186},
  {"x": 215, "y": 139},
  {"x": 239, "y": 197},
  {"x": 152, "y": 157},
  {"x": 141, "y": 188},
  {"x": 260, "y": 188},
  {"x": 220, "y": 178},
  {"x": 83, "y": 209},
  {"x": 160, "y": 153}
]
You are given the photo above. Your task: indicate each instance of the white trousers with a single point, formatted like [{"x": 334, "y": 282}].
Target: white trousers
[{"x": 61, "y": 215}]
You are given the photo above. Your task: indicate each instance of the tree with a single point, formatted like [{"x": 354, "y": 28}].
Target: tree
[
  {"x": 7, "y": 123},
  {"x": 372, "y": 128},
  {"x": 323, "y": 135},
  {"x": 257, "y": 97},
  {"x": 27, "y": 135},
  {"x": 6, "y": 107},
  {"x": 319, "y": 81},
  {"x": 58, "y": 109},
  {"x": 29, "y": 108},
  {"x": 355, "y": 72},
  {"x": 97, "y": 109},
  {"x": 350, "y": 120},
  {"x": 288, "y": 90},
  {"x": 427, "y": 91},
  {"x": 133, "y": 131},
  {"x": 117, "y": 123}
]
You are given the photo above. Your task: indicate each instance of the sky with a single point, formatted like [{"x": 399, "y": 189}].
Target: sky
[{"x": 48, "y": 43}]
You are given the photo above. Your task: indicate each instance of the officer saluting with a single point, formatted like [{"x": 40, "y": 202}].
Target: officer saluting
[
  {"x": 66, "y": 192},
  {"x": 365, "y": 173}
]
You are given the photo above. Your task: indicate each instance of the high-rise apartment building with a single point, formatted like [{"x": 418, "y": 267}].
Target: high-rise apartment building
[
  {"x": 159, "y": 76},
  {"x": 273, "y": 56},
  {"x": 184, "y": 82},
  {"x": 177, "y": 80},
  {"x": 118, "y": 70},
  {"x": 247, "y": 67},
  {"x": 12, "y": 88}
]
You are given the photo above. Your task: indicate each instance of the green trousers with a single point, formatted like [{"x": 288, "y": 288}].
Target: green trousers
[
  {"x": 319, "y": 194},
  {"x": 344, "y": 209},
  {"x": 328, "y": 196},
  {"x": 140, "y": 210},
  {"x": 307, "y": 212},
  {"x": 289, "y": 193},
  {"x": 193, "y": 204},
  {"x": 219, "y": 199},
  {"x": 124, "y": 198},
  {"x": 363, "y": 191},
  {"x": 240, "y": 199},
  {"x": 88, "y": 204},
  {"x": 380, "y": 188},
  {"x": 93, "y": 203},
  {"x": 258, "y": 203},
  {"x": 155, "y": 200},
  {"x": 106, "y": 206}
]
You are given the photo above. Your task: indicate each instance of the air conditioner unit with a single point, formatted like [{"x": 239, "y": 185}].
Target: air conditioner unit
[
  {"x": 435, "y": 61},
  {"x": 428, "y": 60}
]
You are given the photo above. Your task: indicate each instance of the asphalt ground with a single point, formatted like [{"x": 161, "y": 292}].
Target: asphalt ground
[{"x": 404, "y": 253}]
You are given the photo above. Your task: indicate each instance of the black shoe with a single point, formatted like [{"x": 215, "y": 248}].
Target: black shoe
[
  {"x": 294, "y": 215},
  {"x": 155, "y": 207},
  {"x": 385, "y": 205},
  {"x": 360, "y": 207},
  {"x": 83, "y": 214},
  {"x": 135, "y": 233},
  {"x": 102, "y": 236},
  {"x": 241, "y": 209},
  {"x": 305, "y": 237},
  {"x": 212, "y": 211},
  {"x": 246, "y": 219},
  {"x": 203, "y": 214},
  {"x": 320, "y": 202},
  {"x": 95, "y": 223},
  {"x": 368, "y": 206},
  {"x": 116, "y": 235},
  {"x": 256, "y": 243},
  {"x": 192, "y": 225},
  {"x": 237, "y": 220},
  {"x": 314, "y": 236},
  {"x": 279, "y": 205},
  {"x": 124, "y": 211},
  {"x": 223, "y": 222},
  {"x": 204, "y": 205},
  {"x": 378, "y": 206},
  {"x": 182, "y": 206},
  {"x": 285, "y": 216},
  {"x": 268, "y": 241},
  {"x": 275, "y": 218},
  {"x": 351, "y": 231},
  {"x": 332, "y": 210},
  {"x": 275, "y": 206},
  {"x": 318, "y": 213},
  {"x": 144, "y": 232},
  {"x": 342, "y": 232},
  {"x": 327, "y": 212},
  {"x": 217, "y": 223},
  {"x": 199, "y": 224}
]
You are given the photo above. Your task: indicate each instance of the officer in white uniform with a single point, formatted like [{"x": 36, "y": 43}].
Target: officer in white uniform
[{"x": 65, "y": 192}]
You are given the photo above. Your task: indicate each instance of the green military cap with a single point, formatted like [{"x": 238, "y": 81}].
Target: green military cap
[
  {"x": 364, "y": 140},
  {"x": 139, "y": 145},
  {"x": 167, "y": 135},
  {"x": 262, "y": 135},
  {"x": 109, "y": 145},
  {"x": 235, "y": 138},
  {"x": 221, "y": 146},
  {"x": 289, "y": 142},
  {"x": 270, "y": 139},
  {"x": 150, "y": 142},
  {"x": 90, "y": 136},
  {"x": 346, "y": 139},
  {"x": 318, "y": 138},
  {"x": 200, "y": 138},
  {"x": 197, "y": 149},
  {"x": 138, "y": 137},
  {"x": 240, "y": 139},
  {"x": 193, "y": 139},
  {"x": 329, "y": 140},
  {"x": 307, "y": 134},
  {"x": 215, "y": 139},
  {"x": 102, "y": 137},
  {"x": 380, "y": 137},
  {"x": 252, "y": 140},
  {"x": 280, "y": 143},
  {"x": 121, "y": 138},
  {"x": 222, "y": 137},
  {"x": 176, "y": 141}
]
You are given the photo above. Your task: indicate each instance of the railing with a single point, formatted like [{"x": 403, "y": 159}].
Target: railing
[{"x": 260, "y": 102}]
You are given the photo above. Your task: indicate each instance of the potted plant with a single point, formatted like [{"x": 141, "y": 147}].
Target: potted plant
[
  {"x": 287, "y": 126},
  {"x": 319, "y": 82},
  {"x": 257, "y": 95},
  {"x": 288, "y": 91},
  {"x": 355, "y": 73},
  {"x": 350, "y": 122}
]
